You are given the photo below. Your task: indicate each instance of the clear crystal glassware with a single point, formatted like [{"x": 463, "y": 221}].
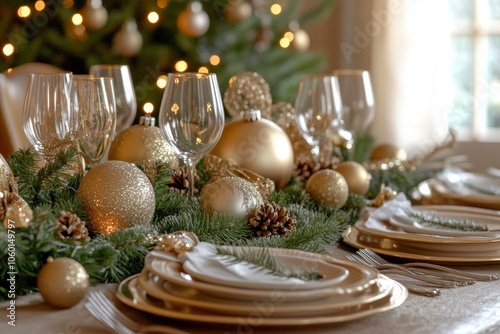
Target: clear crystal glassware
[
  {"x": 191, "y": 117},
  {"x": 126, "y": 103},
  {"x": 93, "y": 102},
  {"x": 357, "y": 98},
  {"x": 318, "y": 112},
  {"x": 48, "y": 120}
]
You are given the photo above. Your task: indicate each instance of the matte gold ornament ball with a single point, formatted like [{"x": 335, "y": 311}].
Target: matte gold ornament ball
[
  {"x": 142, "y": 144},
  {"x": 387, "y": 152},
  {"x": 328, "y": 188},
  {"x": 259, "y": 145},
  {"x": 357, "y": 177},
  {"x": 63, "y": 282},
  {"x": 230, "y": 194},
  {"x": 116, "y": 195}
]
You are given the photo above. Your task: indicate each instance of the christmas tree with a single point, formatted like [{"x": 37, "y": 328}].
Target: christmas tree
[{"x": 157, "y": 37}]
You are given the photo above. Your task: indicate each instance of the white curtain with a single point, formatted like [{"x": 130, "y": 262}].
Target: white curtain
[{"x": 405, "y": 44}]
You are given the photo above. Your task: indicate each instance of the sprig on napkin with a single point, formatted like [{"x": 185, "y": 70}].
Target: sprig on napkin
[
  {"x": 262, "y": 259},
  {"x": 427, "y": 219},
  {"x": 483, "y": 188}
]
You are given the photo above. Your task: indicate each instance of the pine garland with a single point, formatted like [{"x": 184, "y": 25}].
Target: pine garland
[{"x": 52, "y": 189}]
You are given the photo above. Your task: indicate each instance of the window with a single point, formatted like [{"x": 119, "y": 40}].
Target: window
[{"x": 475, "y": 69}]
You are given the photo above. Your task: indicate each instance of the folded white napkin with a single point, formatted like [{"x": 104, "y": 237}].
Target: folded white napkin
[{"x": 455, "y": 180}]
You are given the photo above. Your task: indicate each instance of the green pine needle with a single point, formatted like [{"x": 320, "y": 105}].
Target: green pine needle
[{"x": 466, "y": 225}]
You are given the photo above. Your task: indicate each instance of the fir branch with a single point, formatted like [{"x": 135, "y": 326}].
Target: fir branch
[
  {"x": 483, "y": 188},
  {"x": 466, "y": 225},
  {"x": 262, "y": 259}
]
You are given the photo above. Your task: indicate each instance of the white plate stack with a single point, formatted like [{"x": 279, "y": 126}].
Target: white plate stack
[{"x": 208, "y": 288}]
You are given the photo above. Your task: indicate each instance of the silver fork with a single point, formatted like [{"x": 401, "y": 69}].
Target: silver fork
[
  {"x": 104, "y": 310},
  {"x": 459, "y": 276},
  {"x": 409, "y": 284}
]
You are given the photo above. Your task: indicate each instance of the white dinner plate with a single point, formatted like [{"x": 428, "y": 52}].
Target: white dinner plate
[
  {"x": 391, "y": 247},
  {"x": 360, "y": 279},
  {"x": 130, "y": 294},
  {"x": 172, "y": 294}
]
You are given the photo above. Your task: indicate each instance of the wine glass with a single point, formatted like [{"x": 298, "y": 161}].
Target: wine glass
[
  {"x": 318, "y": 113},
  {"x": 357, "y": 97},
  {"x": 93, "y": 102},
  {"x": 191, "y": 117},
  {"x": 48, "y": 120},
  {"x": 126, "y": 103}
]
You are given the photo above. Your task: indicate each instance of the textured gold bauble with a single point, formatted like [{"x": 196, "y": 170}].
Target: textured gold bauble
[
  {"x": 142, "y": 144},
  {"x": 63, "y": 282},
  {"x": 329, "y": 188},
  {"x": 7, "y": 181},
  {"x": 387, "y": 152},
  {"x": 14, "y": 210},
  {"x": 259, "y": 145},
  {"x": 230, "y": 194},
  {"x": 357, "y": 177},
  {"x": 116, "y": 195}
]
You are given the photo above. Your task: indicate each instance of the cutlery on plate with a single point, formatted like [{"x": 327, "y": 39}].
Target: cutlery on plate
[{"x": 104, "y": 310}]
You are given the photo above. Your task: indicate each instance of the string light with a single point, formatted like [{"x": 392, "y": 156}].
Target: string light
[
  {"x": 161, "y": 82},
  {"x": 214, "y": 60},
  {"x": 24, "y": 11},
  {"x": 8, "y": 49},
  {"x": 289, "y": 35},
  {"x": 181, "y": 66},
  {"x": 284, "y": 42},
  {"x": 153, "y": 17},
  {"x": 148, "y": 108},
  {"x": 203, "y": 69},
  {"x": 276, "y": 9},
  {"x": 162, "y": 3},
  {"x": 77, "y": 19},
  {"x": 39, "y": 5}
]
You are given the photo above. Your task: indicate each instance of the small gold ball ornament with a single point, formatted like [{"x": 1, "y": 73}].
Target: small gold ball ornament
[
  {"x": 230, "y": 194},
  {"x": 94, "y": 15},
  {"x": 15, "y": 212},
  {"x": 127, "y": 42},
  {"x": 237, "y": 10},
  {"x": 357, "y": 177},
  {"x": 193, "y": 21},
  {"x": 116, "y": 195},
  {"x": 387, "y": 152},
  {"x": 328, "y": 188},
  {"x": 63, "y": 282},
  {"x": 143, "y": 143},
  {"x": 259, "y": 145}
]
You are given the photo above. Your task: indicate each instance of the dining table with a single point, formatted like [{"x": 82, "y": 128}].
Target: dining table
[{"x": 467, "y": 309}]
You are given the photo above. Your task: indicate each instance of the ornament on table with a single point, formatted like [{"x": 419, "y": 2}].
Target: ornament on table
[
  {"x": 357, "y": 177},
  {"x": 328, "y": 188},
  {"x": 237, "y": 10},
  {"x": 62, "y": 282},
  {"x": 301, "y": 40},
  {"x": 14, "y": 210},
  {"x": 387, "y": 152},
  {"x": 307, "y": 165},
  {"x": 179, "y": 181},
  {"x": 218, "y": 168},
  {"x": 271, "y": 219},
  {"x": 193, "y": 21},
  {"x": 230, "y": 194},
  {"x": 385, "y": 194},
  {"x": 94, "y": 15},
  {"x": 143, "y": 143},
  {"x": 7, "y": 180},
  {"x": 70, "y": 226},
  {"x": 127, "y": 41},
  {"x": 259, "y": 145},
  {"x": 116, "y": 195}
]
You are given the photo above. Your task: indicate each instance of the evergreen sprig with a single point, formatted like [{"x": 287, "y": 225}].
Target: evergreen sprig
[
  {"x": 444, "y": 223},
  {"x": 483, "y": 188},
  {"x": 263, "y": 260}
]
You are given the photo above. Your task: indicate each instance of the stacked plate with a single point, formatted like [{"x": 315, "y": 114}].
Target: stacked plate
[
  {"x": 457, "y": 187},
  {"x": 405, "y": 237},
  {"x": 185, "y": 290}
]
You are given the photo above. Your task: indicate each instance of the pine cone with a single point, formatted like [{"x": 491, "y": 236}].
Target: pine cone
[
  {"x": 70, "y": 226},
  {"x": 305, "y": 166},
  {"x": 271, "y": 219},
  {"x": 178, "y": 181}
]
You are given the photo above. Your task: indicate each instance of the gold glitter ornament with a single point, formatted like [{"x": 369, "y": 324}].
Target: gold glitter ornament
[
  {"x": 328, "y": 188},
  {"x": 259, "y": 145},
  {"x": 7, "y": 180},
  {"x": 247, "y": 91},
  {"x": 230, "y": 194},
  {"x": 143, "y": 143},
  {"x": 62, "y": 282},
  {"x": 387, "y": 152},
  {"x": 14, "y": 210},
  {"x": 116, "y": 195},
  {"x": 237, "y": 10},
  {"x": 357, "y": 177}
]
